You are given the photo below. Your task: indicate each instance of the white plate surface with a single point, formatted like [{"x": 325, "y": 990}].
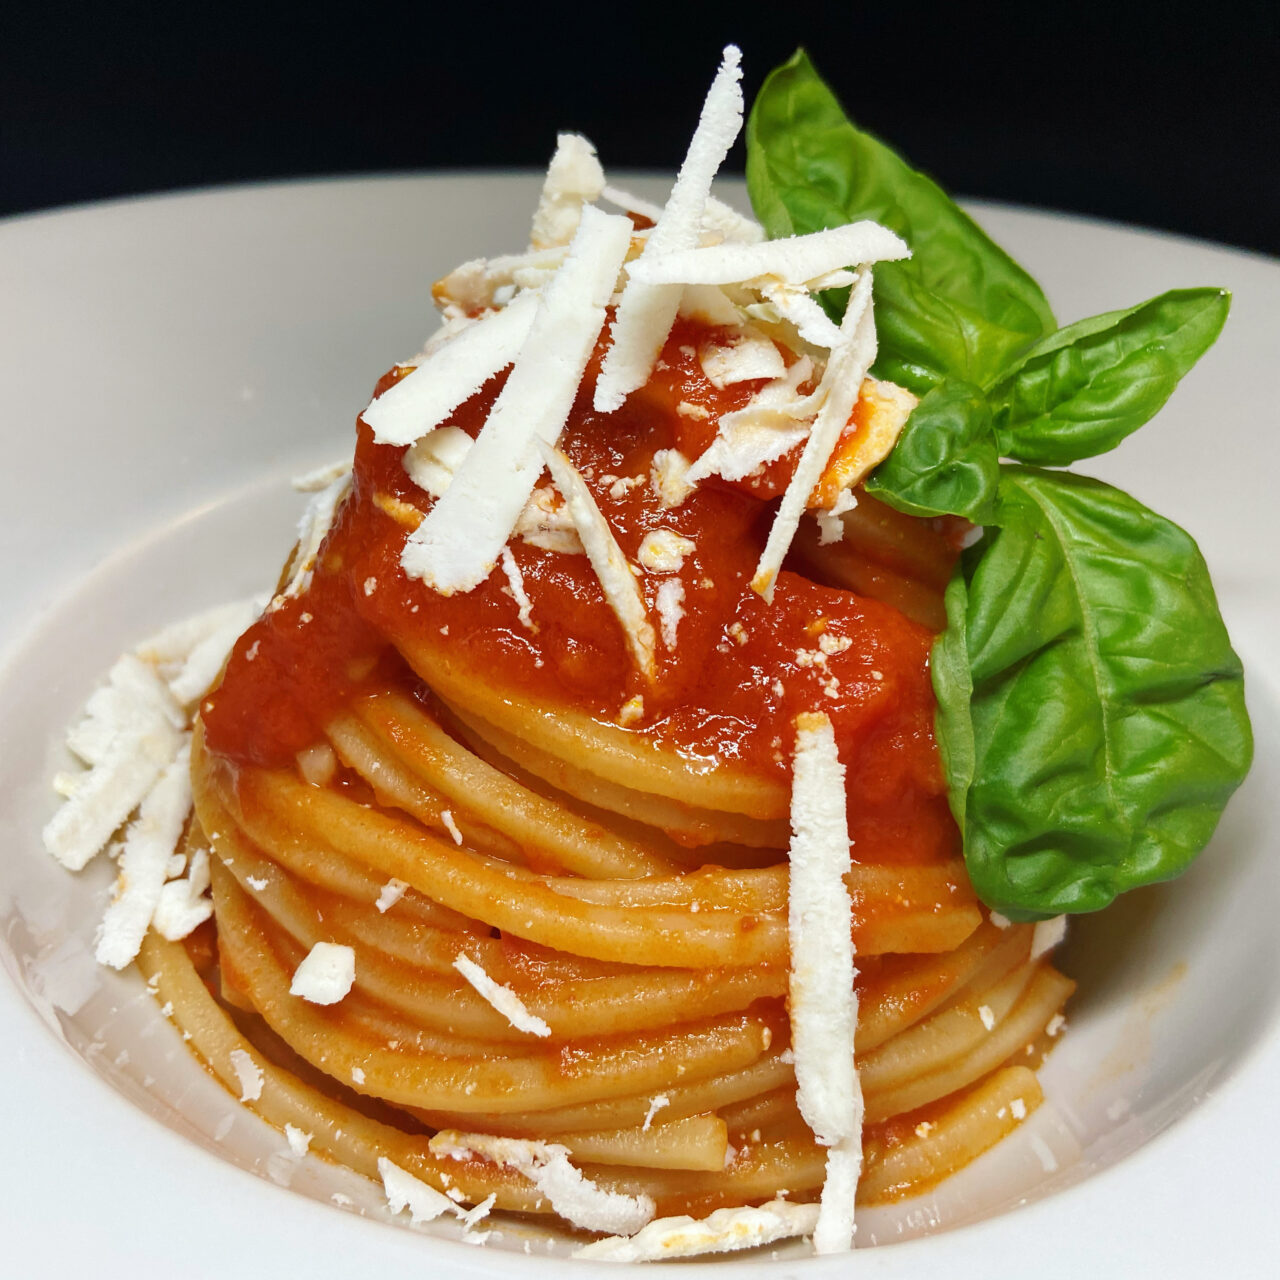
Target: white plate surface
[{"x": 165, "y": 366}]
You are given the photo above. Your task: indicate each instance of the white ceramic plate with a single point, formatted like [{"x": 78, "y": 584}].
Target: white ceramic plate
[{"x": 165, "y": 366}]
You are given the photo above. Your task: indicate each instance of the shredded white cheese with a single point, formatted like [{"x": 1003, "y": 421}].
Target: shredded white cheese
[
  {"x": 664, "y": 550},
  {"x": 630, "y": 203},
  {"x": 545, "y": 523},
  {"x": 546, "y": 1165},
  {"x": 670, "y": 605},
  {"x": 326, "y": 975},
  {"x": 616, "y": 579},
  {"x": 830, "y": 526},
  {"x": 298, "y": 1139},
  {"x": 574, "y": 178},
  {"x": 822, "y": 1002},
  {"x": 320, "y": 477},
  {"x": 646, "y": 311},
  {"x": 459, "y": 541},
  {"x": 723, "y": 1231},
  {"x": 748, "y": 355},
  {"x": 840, "y": 385},
  {"x": 669, "y": 477},
  {"x": 432, "y": 463},
  {"x": 189, "y": 654},
  {"x": 1047, "y": 935},
  {"x": 451, "y": 375},
  {"x": 144, "y": 863},
  {"x": 404, "y": 1191},
  {"x": 796, "y": 260},
  {"x": 184, "y": 903},
  {"x": 797, "y": 305},
  {"x": 656, "y": 1103},
  {"x": 248, "y": 1073},
  {"x": 313, "y": 528},
  {"x": 129, "y": 736},
  {"x": 455, "y": 832},
  {"x": 515, "y": 581},
  {"x": 711, "y": 305},
  {"x": 770, "y": 425},
  {"x": 503, "y": 999},
  {"x": 391, "y": 893}
]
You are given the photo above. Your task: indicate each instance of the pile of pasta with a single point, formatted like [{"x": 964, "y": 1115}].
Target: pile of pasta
[
  {"x": 658, "y": 964},
  {"x": 500, "y": 797}
]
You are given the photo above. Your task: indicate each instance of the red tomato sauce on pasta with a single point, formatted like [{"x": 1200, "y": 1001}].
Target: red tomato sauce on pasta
[{"x": 740, "y": 670}]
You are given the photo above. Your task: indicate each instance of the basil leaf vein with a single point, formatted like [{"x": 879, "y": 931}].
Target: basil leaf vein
[{"x": 1105, "y": 705}]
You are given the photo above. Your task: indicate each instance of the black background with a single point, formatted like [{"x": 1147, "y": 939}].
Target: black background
[{"x": 1162, "y": 115}]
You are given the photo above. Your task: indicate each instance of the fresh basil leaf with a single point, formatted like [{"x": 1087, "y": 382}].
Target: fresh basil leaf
[
  {"x": 926, "y": 337},
  {"x": 1080, "y": 391},
  {"x": 960, "y": 305},
  {"x": 1105, "y": 706},
  {"x": 945, "y": 461}
]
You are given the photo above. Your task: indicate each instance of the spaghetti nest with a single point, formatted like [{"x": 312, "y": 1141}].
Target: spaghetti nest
[{"x": 629, "y": 888}]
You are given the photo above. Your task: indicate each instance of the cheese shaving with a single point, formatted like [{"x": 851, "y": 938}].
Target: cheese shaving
[
  {"x": 248, "y": 1073},
  {"x": 171, "y": 648},
  {"x": 432, "y": 463},
  {"x": 840, "y": 385},
  {"x": 545, "y": 523},
  {"x": 298, "y": 1139},
  {"x": 515, "y": 580},
  {"x": 320, "y": 478},
  {"x": 574, "y": 178},
  {"x": 313, "y": 528},
  {"x": 646, "y": 311},
  {"x": 882, "y": 411},
  {"x": 723, "y": 1231},
  {"x": 144, "y": 863},
  {"x": 326, "y": 974},
  {"x": 616, "y": 579},
  {"x": 631, "y": 203},
  {"x": 830, "y": 526},
  {"x": 767, "y": 427},
  {"x": 723, "y": 222},
  {"x": 459, "y": 541},
  {"x": 656, "y": 1103},
  {"x": 184, "y": 904},
  {"x": 135, "y": 739},
  {"x": 546, "y": 1164},
  {"x": 669, "y": 477},
  {"x": 404, "y": 1191},
  {"x": 670, "y": 609},
  {"x": 821, "y": 997},
  {"x": 205, "y": 658},
  {"x": 795, "y": 260},
  {"x": 1047, "y": 935},
  {"x": 452, "y": 374},
  {"x": 749, "y": 355},
  {"x": 501, "y": 998},
  {"x": 485, "y": 283},
  {"x": 711, "y": 305},
  {"x": 802, "y": 310},
  {"x": 390, "y": 894},
  {"x": 664, "y": 550}
]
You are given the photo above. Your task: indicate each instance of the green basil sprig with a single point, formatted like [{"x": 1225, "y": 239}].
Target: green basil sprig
[{"x": 1091, "y": 713}]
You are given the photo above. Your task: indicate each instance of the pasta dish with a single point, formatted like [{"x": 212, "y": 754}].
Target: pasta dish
[{"x": 569, "y": 833}]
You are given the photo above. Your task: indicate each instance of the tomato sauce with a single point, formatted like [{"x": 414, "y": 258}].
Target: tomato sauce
[{"x": 740, "y": 670}]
